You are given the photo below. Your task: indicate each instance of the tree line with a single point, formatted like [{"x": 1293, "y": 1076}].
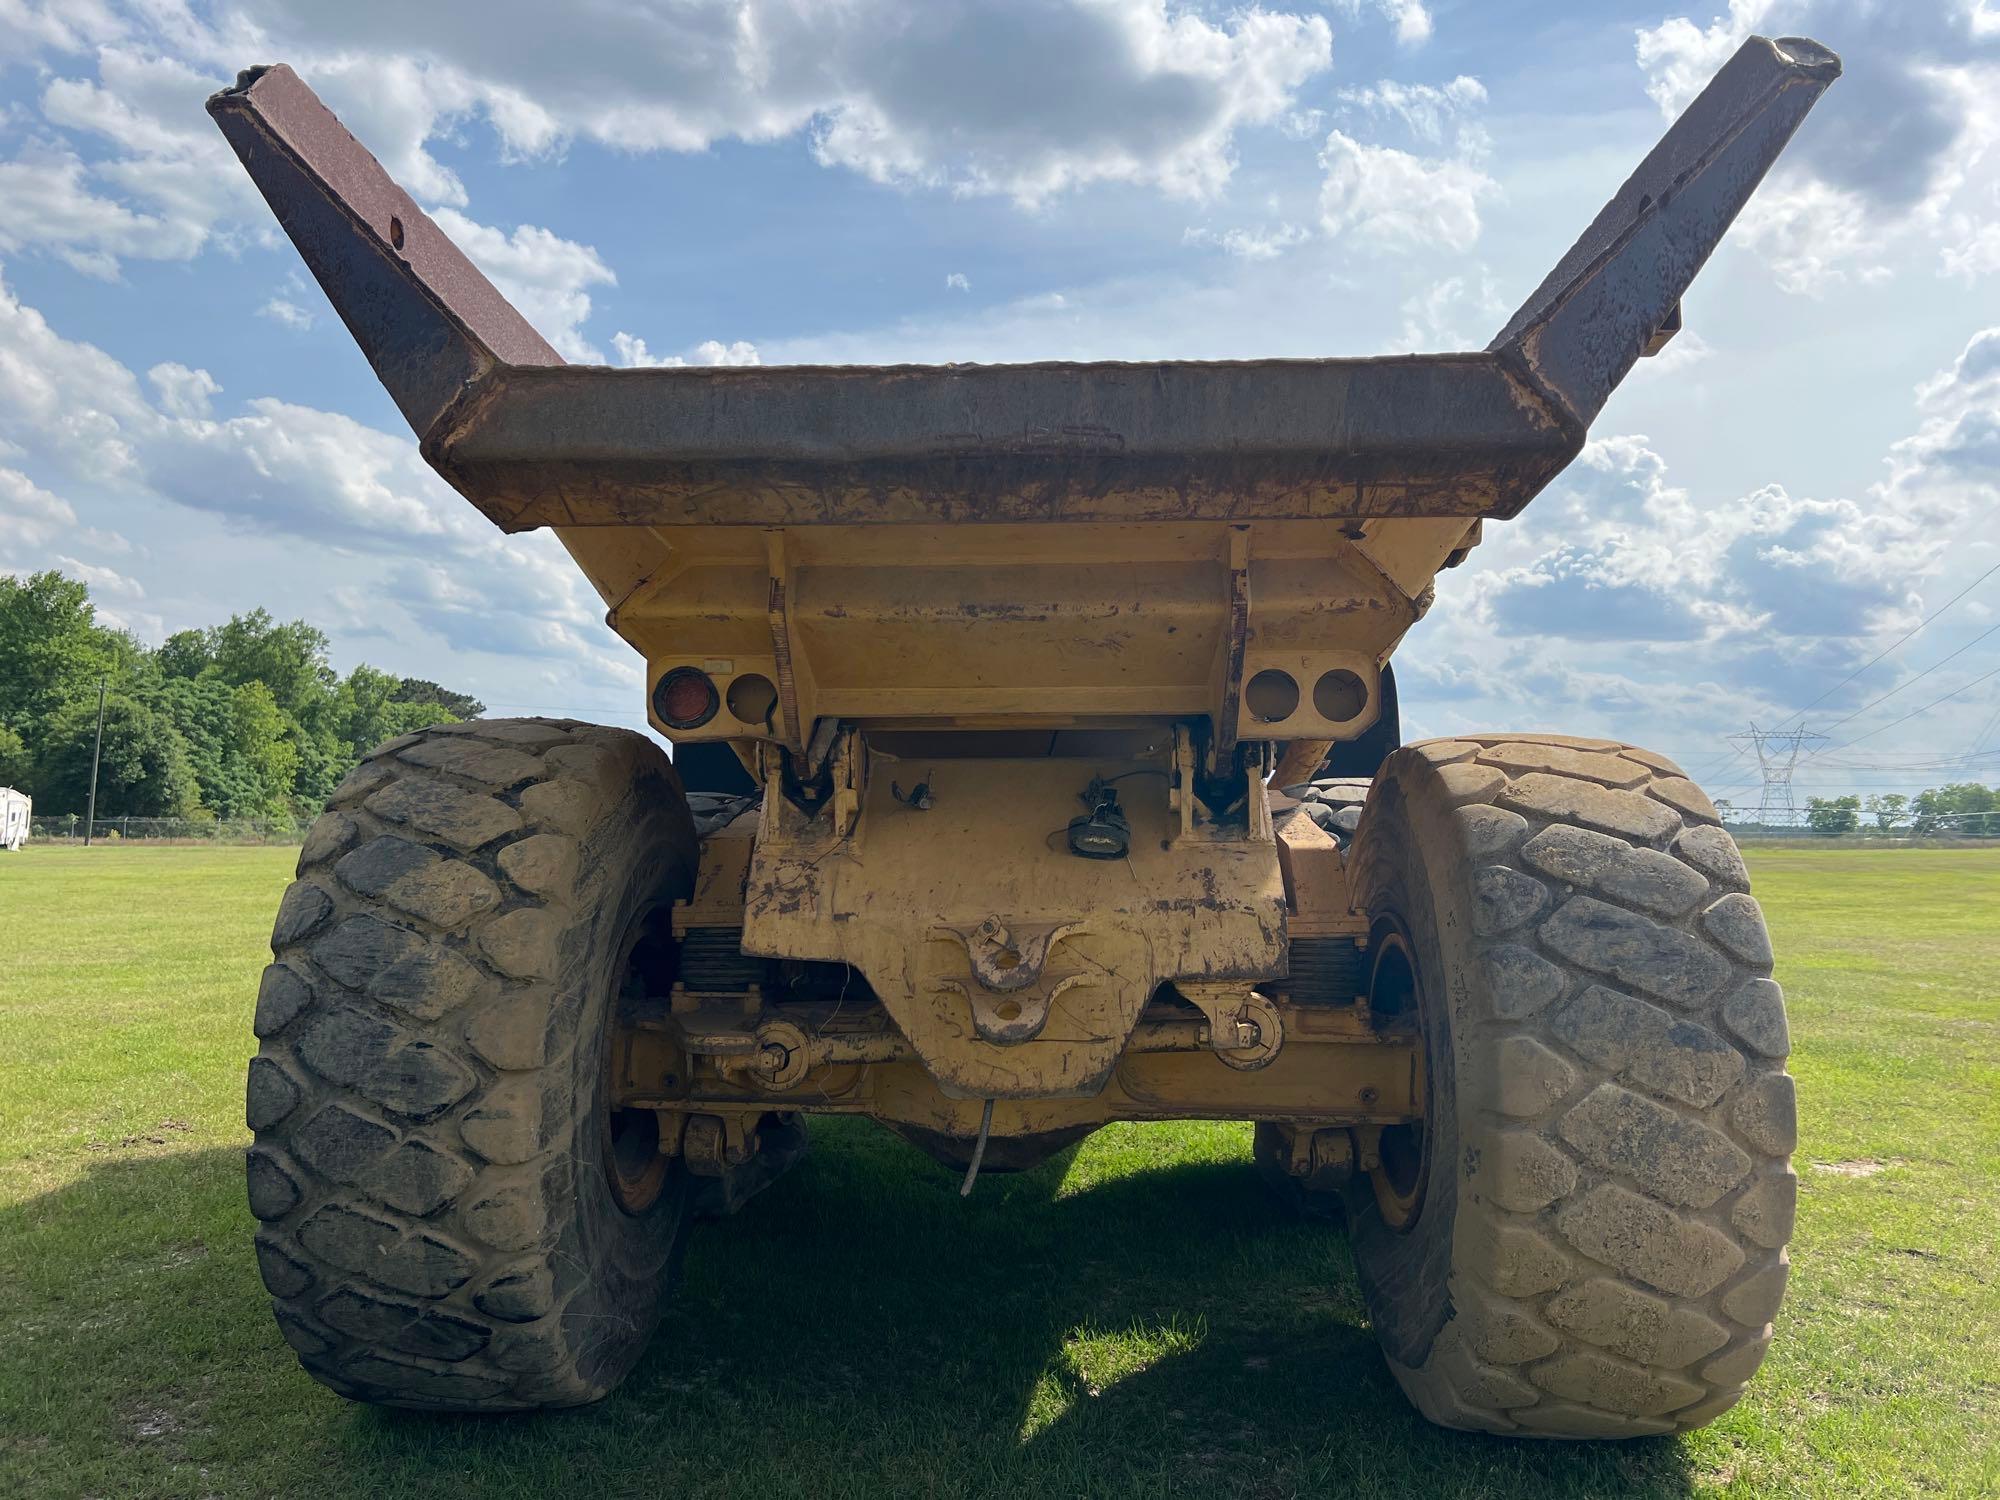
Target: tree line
[
  {"x": 1964, "y": 807},
  {"x": 245, "y": 719}
]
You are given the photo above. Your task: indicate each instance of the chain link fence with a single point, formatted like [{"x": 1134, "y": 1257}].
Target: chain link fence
[{"x": 68, "y": 828}]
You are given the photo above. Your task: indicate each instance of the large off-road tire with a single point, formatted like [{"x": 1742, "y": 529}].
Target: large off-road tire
[
  {"x": 1586, "y": 1236},
  {"x": 452, "y": 1218}
]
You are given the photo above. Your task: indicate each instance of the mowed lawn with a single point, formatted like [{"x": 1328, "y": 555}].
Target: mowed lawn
[{"x": 1133, "y": 1319}]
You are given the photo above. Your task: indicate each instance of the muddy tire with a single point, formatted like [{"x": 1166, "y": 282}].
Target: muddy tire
[
  {"x": 451, "y": 1219},
  {"x": 1586, "y": 1238}
]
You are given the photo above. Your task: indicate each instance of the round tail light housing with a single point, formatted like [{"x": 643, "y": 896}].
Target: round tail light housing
[{"x": 684, "y": 698}]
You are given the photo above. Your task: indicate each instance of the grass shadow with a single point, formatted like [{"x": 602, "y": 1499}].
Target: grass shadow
[{"x": 1131, "y": 1318}]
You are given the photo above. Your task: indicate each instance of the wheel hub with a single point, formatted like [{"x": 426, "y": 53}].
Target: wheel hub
[
  {"x": 1399, "y": 1163},
  {"x": 634, "y": 1164}
]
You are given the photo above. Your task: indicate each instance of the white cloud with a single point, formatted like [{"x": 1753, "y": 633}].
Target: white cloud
[
  {"x": 544, "y": 275},
  {"x": 102, "y": 580},
  {"x": 1455, "y": 313},
  {"x": 1618, "y": 579},
  {"x": 32, "y": 514},
  {"x": 281, "y": 309},
  {"x": 34, "y": 521},
  {"x": 1127, "y": 91},
  {"x": 1302, "y": 124},
  {"x": 183, "y": 392},
  {"x": 169, "y": 158},
  {"x": 1411, "y": 18},
  {"x": 1901, "y": 163},
  {"x": 979, "y": 96},
  {"x": 1384, "y": 198},
  {"x": 29, "y": 28},
  {"x": 278, "y": 471},
  {"x": 633, "y": 353},
  {"x": 51, "y": 208},
  {"x": 957, "y": 282},
  {"x": 1426, "y": 108},
  {"x": 1250, "y": 244}
]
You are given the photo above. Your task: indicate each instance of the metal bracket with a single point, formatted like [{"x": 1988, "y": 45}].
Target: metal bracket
[
  {"x": 1223, "y": 742},
  {"x": 713, "y": 1144},
  {"x": 1244, "y": 1027},
  {"x": 1011, "y": 999},
  {"x": 780, "y": 611}
]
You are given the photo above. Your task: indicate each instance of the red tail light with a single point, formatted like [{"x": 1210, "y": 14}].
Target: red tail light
[{"x": 685, "y": 698}]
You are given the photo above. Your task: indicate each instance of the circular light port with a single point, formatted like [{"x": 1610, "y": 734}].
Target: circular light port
[
  {"x": 685, "y": 698},
  {"x": 1271, "y": 696},
  {"x": 1339, "y": 695},
  {"x": 751, "y": 698}
]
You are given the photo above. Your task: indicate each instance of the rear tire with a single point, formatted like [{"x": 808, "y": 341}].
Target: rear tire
[
  {"x": 1586, "y": 1239},
  {"x": 452, "y": 1219}
]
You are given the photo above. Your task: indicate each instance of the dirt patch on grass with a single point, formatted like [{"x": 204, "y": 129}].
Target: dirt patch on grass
[
  {"x": 157, "y": 1136},
  {"x": 1865, "y": 1166}
]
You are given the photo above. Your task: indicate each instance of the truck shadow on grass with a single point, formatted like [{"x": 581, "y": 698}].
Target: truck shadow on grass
[{"x": 1137, "y": 1319}]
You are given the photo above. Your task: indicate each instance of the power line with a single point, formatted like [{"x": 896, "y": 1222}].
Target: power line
[
  {"x": 1979, "y": 740},
  {"x": 1715, "y": 767},
  {"x": 1915, "y": 712},
  {"x": 1895, "y": 644},
  {"x": 1916, "y": 679}
]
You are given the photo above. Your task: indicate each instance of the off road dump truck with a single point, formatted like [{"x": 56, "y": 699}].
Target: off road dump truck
[{"x": 1036, "y": 766}]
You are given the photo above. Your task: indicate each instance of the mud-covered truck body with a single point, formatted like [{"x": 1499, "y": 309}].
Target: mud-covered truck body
[{"x": 1036, "y": 766}]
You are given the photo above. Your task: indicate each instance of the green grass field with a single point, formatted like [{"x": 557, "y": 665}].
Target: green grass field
[{"x": 1132, "y": 1319}]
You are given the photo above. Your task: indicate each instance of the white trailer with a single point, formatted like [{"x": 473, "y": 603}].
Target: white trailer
[{"x": 15, "y": 809}]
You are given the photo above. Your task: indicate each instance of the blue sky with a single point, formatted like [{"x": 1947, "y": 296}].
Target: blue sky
[{"x": 1810, "y": 471}]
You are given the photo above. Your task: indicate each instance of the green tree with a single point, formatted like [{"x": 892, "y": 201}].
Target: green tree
[
  {"x": 1963, "y": 807},
  {"x": 144, "y": 772},
  {"x": 423, "y": 691},
  {"x": 289, "y": 659},
  {"x": 52, "y": 648},
  {"x": 186, "y": 653},
  {"x": 250, "y": 713},
  {"x": 200, "y": 708},
  {"x": 370, "y": 706},
  {"x": 1890, "y": 810},
  {"x": 16, "y": 769},
  {"x": 263, "y": 742},
  {"x": 1833, "y": 814}
]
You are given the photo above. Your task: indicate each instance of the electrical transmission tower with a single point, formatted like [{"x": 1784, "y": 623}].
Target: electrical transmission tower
[{"x": 1778, "y": 752}]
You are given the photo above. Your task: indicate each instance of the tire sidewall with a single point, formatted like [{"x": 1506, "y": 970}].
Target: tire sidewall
[
  {"x": 611, "y": 1268},
  {"x": 1405, "y": 1272}
]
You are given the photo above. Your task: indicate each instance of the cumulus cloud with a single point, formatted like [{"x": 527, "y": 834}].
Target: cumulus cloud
[
  {"x": 278, "y": 470},
  {"x": 1425, "y": 108},
  {"x": 102, "y": 580},
  {"x": 52, "y": 208},
  {"x": 1267, "y": 243},
  {"x": 32, "y": 514},
  {"x": 544, "y": 275},
  {"x": 1458, "y": 312},
  {"x": 1611, "y": 576},
  {"x": 633, "y": 353},
  {"x": 1410, "y": 18},
  {"x": 1632, "y": 556},
  {"x": 283, "y": 310},
  {"x": 1904, "y": 153},
  {"x": 1025, "y": 98},
  {"x": 183, "y": 392},
  {"x": 1384, "y": 198},
  {"x": 957, "y": 281}
]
